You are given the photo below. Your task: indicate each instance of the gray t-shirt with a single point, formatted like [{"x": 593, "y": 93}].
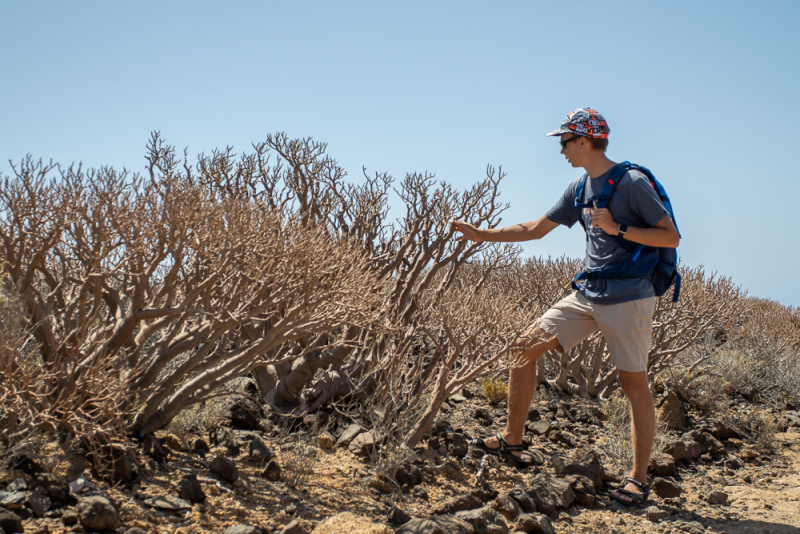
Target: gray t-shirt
[{"x": 635, "y": 203}]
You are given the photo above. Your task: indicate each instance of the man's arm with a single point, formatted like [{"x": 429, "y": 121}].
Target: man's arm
[
  {"x": 510, "y": 234},
  {"x": 663, "y": 234}
]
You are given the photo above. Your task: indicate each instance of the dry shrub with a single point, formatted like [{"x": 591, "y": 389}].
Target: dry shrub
[
  {"x": 494, "y": 390},
  {"x": 617, "y": 410}
]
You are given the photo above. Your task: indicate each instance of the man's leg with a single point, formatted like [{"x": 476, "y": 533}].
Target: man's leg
[
  {"x": 643, "y": 427},
  {"x": 522, "y": 382}
]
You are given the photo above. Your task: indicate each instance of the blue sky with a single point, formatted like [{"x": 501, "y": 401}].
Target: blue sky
[{"x": 702, "y": 93}]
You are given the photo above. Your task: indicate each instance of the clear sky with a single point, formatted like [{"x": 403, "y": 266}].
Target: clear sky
[{"x": 705, "y": 94}]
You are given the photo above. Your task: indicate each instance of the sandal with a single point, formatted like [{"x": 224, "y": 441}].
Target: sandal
[
  {"x": 504, "y": 451},
  {"x": 637, "y": 499}
]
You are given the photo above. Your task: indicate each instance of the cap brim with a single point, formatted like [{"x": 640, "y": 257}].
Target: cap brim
[{"x": 560, "y": 131}]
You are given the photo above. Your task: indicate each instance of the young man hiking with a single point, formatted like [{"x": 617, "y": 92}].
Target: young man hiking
[{"x": 621, "y": 307}]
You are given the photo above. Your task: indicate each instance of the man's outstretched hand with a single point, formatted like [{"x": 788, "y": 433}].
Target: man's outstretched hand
[{"x": 470, "y": 233}]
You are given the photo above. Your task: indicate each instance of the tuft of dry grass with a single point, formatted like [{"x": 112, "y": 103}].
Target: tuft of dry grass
[{"x": 494, "y": 390}]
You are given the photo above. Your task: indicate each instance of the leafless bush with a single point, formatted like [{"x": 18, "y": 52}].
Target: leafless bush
[
  {"x": 123, "y": 277},
  {"x": 618, "y": 414}
]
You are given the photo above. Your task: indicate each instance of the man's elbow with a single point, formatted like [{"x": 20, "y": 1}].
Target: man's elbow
[{"x": 675, "y": 240}]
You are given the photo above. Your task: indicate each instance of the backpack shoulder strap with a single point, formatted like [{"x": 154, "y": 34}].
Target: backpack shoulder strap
[
  {"x": 616, "y": 174},
  {"x": 660, "y": 191},
  {"x": 579, "y": 204}
]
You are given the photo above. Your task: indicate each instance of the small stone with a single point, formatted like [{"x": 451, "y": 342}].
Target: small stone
[
  {"x": 38, "y": 501},
  {"x": 272, "y": 471},
  {"x": 397, "y": 517},
  {"x": 19, "y": 484},
  {"x": 662, "y": 464},
  {"x": 168, "y": 502},
  {"x": 348, "y": 435},
  {"x": 257, "y": 450},
  {"x": 458, "y": 398},
  {"x": 224, "y": 467},
  {"x": 671, "y": 413},
  {"x": 69, "y": 519},
  {"x": 420, "y": 493},
  {"x": 666, "y": 488},
  {"x": 200, "y": 445},
  {"x": 189, "y": 488},
  {"x": 538, "y": 523},
  {"x": 97, "y": 513},
  {"x": 363, "y": 444},
  {"x": 293, "y": 528},
  {"x": 717, "y": 497},
  {"x": 655, "y": 514},
  {"x": 507, "y": 506},
  {"x": 409, "y": 475},
  {"x": 540, "y": 427},
  {"x": 380, "y": 485},
  {"x": 439, "y": 524},
  {"x": 243, "y": 528},
  {"x": 325, "y": 441},
  {"x": 10, "y": 522},
  {"x": 12, "y": 500},
  {"x": 174, "y": 442}
]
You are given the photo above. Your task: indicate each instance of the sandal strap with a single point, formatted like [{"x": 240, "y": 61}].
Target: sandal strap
[
  {"x": 504, "y": 446},
  {"x": 644, "y": 487}
]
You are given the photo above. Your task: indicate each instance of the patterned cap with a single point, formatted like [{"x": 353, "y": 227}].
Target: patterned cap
[{"x": 584, "y": 122}]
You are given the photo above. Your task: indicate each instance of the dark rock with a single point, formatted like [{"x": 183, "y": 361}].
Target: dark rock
[
  {"x": 293, "y": 528},
  {"x": 550, "y": 493},
  {"x": 562, "y": 436},
  {"x": 152, "y": 447},
  {"x": 537, "y": 523},
  {"x": 482, "y": 414},
  {"x": 457, "y": 504},
  {"x": 113, "y": 463},
  {"x": 25, "y": 464},
  {"x": 534, "y": 456},
  {"x": 507, "y": 506},
  {"x": 440, "y": 524},
  {"x": 533, "y": 414},
  {"x": 708, "y": 443},
  {"x": 409, "y": 475},
  {"x": 662, "y": 464},
  {"x": 224, "y": 467},
  {"x": 590, "y": 467},
  {"x": 272, "y": 471},
  {"x": 666, "y": 488},
  {"x": 476, "y": 518},
  {"x": 540, "y": 427},
  {"x": 56, "y": 487},
  {"x": 243, "y": 528},
  {"x": 524, "y": 500},
  {"x": 135, "y": 530},
  {"x": 397, "y": 517},
  {"x": 189, "y": 488},
  {"x": 38, "y": 501},
  {"x": 243, "y": 416},
  {"x": 19, "y": 484},
  {"x": 456, "y": 443},
  {"x": 734, "y": 463},
  {"x": 12, "y": 500},
  {"x": 654, "y": 513},
  {"x": 363, "y": 444},
  {"x": 671, "y": 412},
  {"x": 581, "y": 485},
  {"x": 717, "y": 497},
  {"x": 10, "y": 522},
  {"x": 69, "y": 518},
  {"x": 257, "y": 450},
  {"x": 199, "y": 445},
  {"x": 683, "y": 449},
  {"x": 97, "y": 513},
  {"x": 348, "y": 435},
  {"x": 168, "y": 502},
  {"x": 420, "y": 493}
]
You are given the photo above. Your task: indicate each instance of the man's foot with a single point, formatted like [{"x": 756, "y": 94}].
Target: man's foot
[
  {"x": 498, "y": 446},
  {"x": 634, "y": 493}
]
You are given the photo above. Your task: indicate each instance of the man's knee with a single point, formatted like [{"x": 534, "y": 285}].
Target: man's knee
[
  {"x": 634, "y": 384},
  {"x": 535, "y": 342}
]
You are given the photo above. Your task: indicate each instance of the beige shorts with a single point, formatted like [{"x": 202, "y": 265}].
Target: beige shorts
[{"x": 626, "y": 326}]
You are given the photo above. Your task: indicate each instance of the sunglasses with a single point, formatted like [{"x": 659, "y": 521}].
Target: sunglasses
[{"x": 564, "y": 143}]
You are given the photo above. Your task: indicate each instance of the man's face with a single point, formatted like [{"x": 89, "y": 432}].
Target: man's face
[{"x": 572, "y": 148}]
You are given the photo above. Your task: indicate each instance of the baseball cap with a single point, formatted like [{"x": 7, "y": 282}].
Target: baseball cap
[{"x": 585, "y": 122}]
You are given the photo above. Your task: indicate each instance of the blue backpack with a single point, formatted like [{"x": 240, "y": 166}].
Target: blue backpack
[{"x": 657, "y": 264}]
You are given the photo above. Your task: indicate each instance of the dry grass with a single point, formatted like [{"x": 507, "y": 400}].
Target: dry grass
[{"x": 494, "y": 390}]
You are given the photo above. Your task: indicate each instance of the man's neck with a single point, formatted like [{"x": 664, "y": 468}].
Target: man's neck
[{"x": 598, "y": 166}]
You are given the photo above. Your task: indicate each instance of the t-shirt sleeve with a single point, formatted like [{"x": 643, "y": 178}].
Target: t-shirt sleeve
[
  {"x": 564, "y": 211},
  {"x": 644, "y": 201}
]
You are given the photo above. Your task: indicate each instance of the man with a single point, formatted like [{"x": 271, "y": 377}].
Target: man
[{"x": 622, "y": 308}]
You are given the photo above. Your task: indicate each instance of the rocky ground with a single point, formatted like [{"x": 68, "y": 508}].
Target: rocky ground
[{"x": 708, "y": 476}]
